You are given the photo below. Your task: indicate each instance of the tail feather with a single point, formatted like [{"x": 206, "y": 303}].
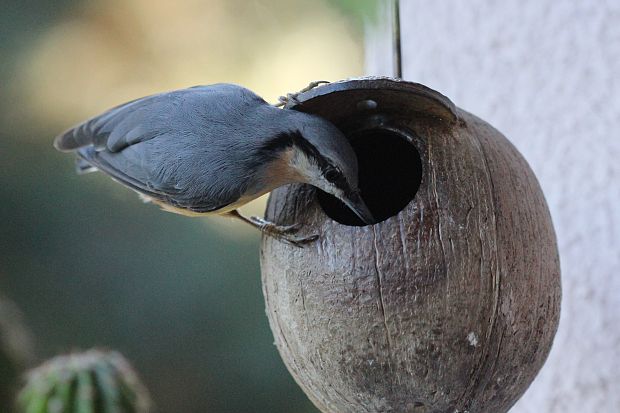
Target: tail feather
[{"x": 74, "y": 138}]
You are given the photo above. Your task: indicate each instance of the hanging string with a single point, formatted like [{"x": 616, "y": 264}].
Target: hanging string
[{"x": 396, "y": 50}]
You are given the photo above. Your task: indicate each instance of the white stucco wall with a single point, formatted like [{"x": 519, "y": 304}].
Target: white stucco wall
[{"x": 547, "y": 74}]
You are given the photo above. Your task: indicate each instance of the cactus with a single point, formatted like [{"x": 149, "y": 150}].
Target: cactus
[
  {"x": 95, "y": 381},
  {"x": 15, "y": 351}
]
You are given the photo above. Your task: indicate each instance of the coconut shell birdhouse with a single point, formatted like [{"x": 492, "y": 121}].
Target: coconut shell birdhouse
[{"x": 450, "y": 302}]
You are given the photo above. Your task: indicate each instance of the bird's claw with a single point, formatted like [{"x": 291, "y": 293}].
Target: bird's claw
[
  {"x": 283, "y": 232},
  {"x": 284, "y": 100},
  {"x": 292, "y": 97},
  {"x": 271, "y": 227},
  {"x": 298, "y": 242},
  {"x": 312, "y": 85},
  {"x": 289, "y": 229}
]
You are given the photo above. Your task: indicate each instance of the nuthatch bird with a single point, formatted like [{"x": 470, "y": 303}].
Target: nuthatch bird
[{"x": 211, "y": 149}]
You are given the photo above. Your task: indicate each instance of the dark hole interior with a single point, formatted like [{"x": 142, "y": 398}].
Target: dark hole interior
[{"x": 390, "y": 172}]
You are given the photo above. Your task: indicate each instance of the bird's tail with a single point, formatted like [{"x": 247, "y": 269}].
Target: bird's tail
[{"x": 74, "y": 138}]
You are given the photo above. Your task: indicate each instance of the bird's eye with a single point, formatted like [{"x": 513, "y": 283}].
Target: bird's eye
[{"x": 331, "y": 175}]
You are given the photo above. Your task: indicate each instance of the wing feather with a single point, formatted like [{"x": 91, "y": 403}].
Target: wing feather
[{"x": 143, "y": 144}]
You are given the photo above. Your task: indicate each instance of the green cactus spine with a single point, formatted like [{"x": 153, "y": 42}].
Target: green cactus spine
[{"x": 95, "y": 381}]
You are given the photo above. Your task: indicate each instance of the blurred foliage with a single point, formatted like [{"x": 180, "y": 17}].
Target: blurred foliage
[
  {"x": 87, "y": 262},
  {"x": 16, "y": 351},
  {"x": 114, "y": 51},
  {"x": 361, "y": 11},
  {"x": 94, "y": 381},
  {"x": 23, "y": 21}
]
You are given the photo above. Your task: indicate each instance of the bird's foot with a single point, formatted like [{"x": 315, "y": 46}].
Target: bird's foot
[
  {"x": 284, "y": 233},
  {"x": 283, "y": 229},
  {"x": 284, "y": 100},
  {"x": 292, "y": 97}
]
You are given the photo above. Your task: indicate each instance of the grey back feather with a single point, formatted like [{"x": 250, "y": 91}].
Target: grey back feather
[{"x": 196, "y": 148}]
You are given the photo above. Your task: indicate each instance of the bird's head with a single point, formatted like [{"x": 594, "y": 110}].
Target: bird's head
[{"x": 320, "y": 155}]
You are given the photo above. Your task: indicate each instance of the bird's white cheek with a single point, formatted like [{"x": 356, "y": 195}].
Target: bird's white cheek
[{"x": 306, "y": 168}]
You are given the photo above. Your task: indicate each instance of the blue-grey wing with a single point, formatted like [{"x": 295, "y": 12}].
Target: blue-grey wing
[
  {"x": 163, "y": 145},
  {"x": 142, "y": 119}
]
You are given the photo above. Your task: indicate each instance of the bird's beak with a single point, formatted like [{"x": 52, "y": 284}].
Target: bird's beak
[{"x": 355, "y": 202}]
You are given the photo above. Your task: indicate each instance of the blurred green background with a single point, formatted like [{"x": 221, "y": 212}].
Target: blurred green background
[{"x": 86, "y": 261}]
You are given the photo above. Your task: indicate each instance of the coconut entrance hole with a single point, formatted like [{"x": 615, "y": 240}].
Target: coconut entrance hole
[{"x": 390, "y": 172}]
